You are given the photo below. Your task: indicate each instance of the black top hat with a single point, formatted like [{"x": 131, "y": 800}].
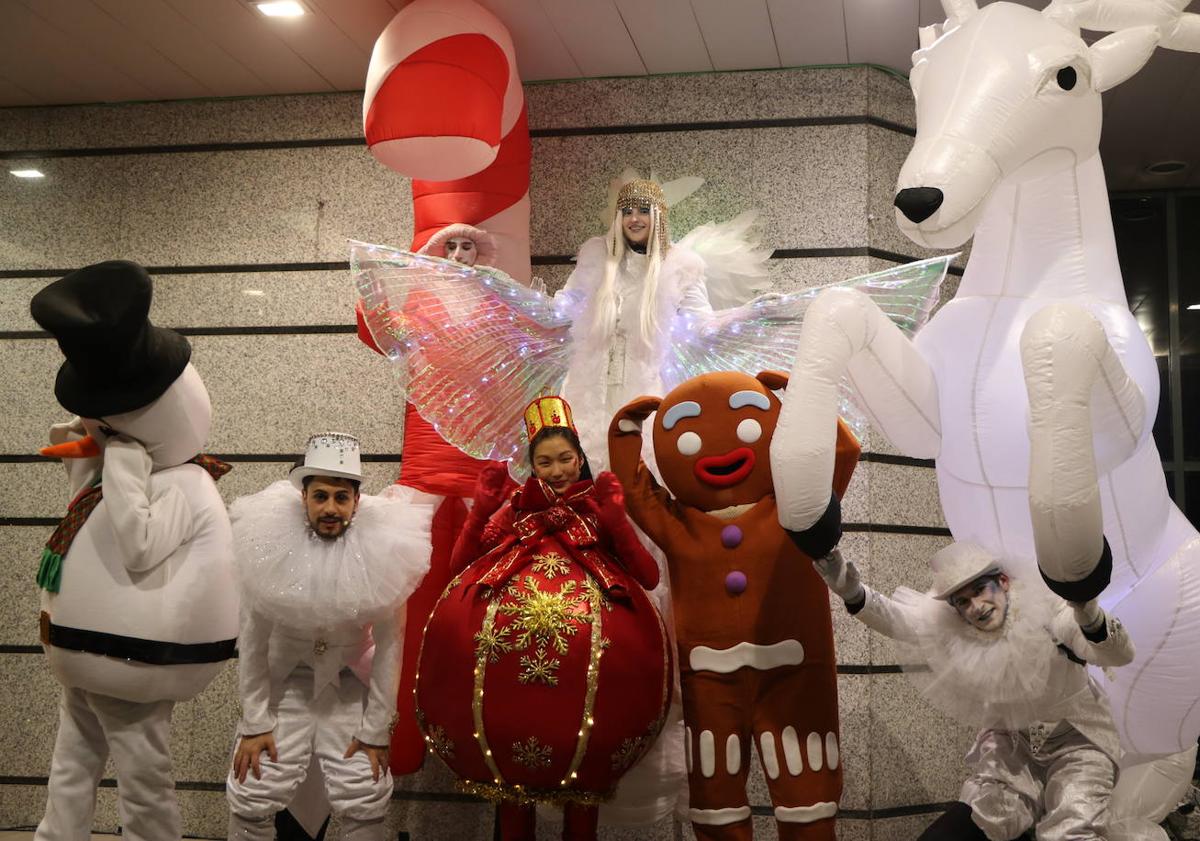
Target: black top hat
[{"x": 117, "y": 361}]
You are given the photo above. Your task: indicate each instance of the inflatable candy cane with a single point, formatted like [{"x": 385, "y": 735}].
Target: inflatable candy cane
[{"x": 444, "y": 106}]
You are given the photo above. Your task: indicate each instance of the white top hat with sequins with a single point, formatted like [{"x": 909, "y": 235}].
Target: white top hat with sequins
[
  {"x": 329, "y": 454},
  {"x": 957, "y": 565}
]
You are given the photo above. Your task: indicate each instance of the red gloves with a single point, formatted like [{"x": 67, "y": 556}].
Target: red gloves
[
  {"x": 490, "y": 490},
  {"x": 610, "y": 503}
]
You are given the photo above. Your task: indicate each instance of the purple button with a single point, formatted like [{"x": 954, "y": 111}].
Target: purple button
[
  {"x": 731, "y": 537},
  {"x": 735, "y": 582}
]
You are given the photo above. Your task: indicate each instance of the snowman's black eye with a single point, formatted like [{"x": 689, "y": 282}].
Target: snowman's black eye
[{"x": 1066, "y": 78}]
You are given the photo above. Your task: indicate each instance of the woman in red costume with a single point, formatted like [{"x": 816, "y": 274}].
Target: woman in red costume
[{"x": 545, "y": 670}]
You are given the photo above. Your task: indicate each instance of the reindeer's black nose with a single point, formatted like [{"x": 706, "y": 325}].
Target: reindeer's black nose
[{"x": 919, "y": 203}]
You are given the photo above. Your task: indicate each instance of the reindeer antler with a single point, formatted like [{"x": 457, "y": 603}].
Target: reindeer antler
[{"x": 1179, "y": 30}]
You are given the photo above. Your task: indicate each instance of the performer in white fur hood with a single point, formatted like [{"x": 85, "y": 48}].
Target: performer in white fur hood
[
  {"x": 996, "y": 649},
  {"x": 139, "y": 606},
  {"x": 324, "y": 573}
]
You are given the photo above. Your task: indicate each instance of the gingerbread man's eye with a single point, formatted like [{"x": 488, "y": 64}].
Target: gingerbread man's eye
[
  {"x": 749, "y": 431},
  {"x": 689, "y": 443}
]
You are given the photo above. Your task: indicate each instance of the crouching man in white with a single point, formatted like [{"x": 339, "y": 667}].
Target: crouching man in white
[
  {"x": 324, "y": 574},
  {"x": 998, "y": 650}
]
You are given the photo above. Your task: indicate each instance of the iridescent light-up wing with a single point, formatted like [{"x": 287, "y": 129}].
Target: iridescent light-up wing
[
  {"x": 479, "y": 346},
  {"x": 762, "y": 335}
]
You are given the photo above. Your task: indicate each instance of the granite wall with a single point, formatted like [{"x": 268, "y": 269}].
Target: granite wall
[{"x": 243, "y": 208}]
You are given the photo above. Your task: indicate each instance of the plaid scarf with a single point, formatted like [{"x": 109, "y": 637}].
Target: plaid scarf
[{"x": 49, "y": 575}]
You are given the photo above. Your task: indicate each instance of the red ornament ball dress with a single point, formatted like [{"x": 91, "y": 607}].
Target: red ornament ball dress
[{"x": 545, "y": 671}]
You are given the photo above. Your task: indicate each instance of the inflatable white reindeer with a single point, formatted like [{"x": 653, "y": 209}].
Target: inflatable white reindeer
[{"x": 1034, "y": 389}]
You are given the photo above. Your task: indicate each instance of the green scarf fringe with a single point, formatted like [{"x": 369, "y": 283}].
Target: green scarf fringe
[{"x": 49, "y": 575}]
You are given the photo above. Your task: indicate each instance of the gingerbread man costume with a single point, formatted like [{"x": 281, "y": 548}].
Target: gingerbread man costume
[{"x": 752, "y": 618}]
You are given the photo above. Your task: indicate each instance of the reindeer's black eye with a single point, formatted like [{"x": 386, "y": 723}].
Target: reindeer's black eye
[{"x": 1066, "y": 78}]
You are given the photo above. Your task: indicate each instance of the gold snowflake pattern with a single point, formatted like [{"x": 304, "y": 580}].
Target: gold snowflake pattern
[
  {"x": 532, "y": 754},
  {"x": 545, "y": 618},
  {"x": 628, "y": 753},
  {"x": 539, "y": 668},
  {"x": 550, "y": 564},
  {"x": 596, "y": 596},
  {"x": 492, "y": 642},
  {"x": 440, "y": 743}
]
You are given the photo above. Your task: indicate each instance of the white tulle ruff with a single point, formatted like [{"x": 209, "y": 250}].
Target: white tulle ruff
[
  {"x": 293, "y": 577},
  {"x": 1000, "y": 679}
]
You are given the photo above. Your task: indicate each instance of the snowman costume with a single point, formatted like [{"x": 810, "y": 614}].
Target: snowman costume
[
  {"x": 320, "y": 641},
  {"x": 139, "y": 604},
  {"x": 1047, "y": 752}
]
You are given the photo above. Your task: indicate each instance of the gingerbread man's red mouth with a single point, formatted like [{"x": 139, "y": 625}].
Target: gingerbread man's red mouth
[{"x": 726, "y": 470}]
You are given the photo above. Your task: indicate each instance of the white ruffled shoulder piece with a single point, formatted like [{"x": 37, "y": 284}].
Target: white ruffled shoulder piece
[
  {"x": 1003, "y": 679},
  {"x": 735, "y": 266},
  {"x": 295, "y": 578}
]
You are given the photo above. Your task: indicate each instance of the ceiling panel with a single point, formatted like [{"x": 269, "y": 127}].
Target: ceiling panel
[
  {"x": 738, "y": 35},
  {"x": 180, "y": 40},
  {"x": 52, "y": 67},
  {"x": 541, "y": 54},
  {"x": 882, "y": 31},
  {"x": 666, "y": 35},
  {"x": 13, "y": 94},
  {"x": 249, "y": 37},
  {"x": 595, "y": 36},
  {"x": 360, "y": 20},
  {"x": 325, "y": 48},
  {"x": 809, "y": 31},
  {"x": 87, "y": 27}
]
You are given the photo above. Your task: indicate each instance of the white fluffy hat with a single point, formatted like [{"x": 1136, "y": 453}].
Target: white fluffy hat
[
  {"x": 958, "y": 564},
  {"x": 334, "y": 454}
]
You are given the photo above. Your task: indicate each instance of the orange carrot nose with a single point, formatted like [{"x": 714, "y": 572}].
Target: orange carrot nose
[{"x": 85, "y": 447}]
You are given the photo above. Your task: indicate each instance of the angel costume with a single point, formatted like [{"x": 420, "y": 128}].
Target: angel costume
[
  {"x": 1047, "y": 753},
  {"x": 320, "y": 651}
]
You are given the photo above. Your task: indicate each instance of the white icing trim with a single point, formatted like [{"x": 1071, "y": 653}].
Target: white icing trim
[
  {"x": 770, "y": 761},
  {"x": 791, "y": 750},
  {"x": 627, "y": 425},
  {"x": 719, "y": 817},
  {"x": 687, "y": 748},
  {"x": 805, "y": 814},
  {"x": 708, "y": 754},
  {"x": 746, "y": 654},
  {"x": 814, "y": 752},
  {"x": 733, "y": 754},
  {"x": 831, "y": 750}
]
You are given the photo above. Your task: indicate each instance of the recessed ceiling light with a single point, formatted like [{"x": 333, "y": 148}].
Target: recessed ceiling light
[
  {"x": 1166, "y": 167},
  {"x": 1194, "y": 306},
  {"x": 281, "y": 9},
  {"x": 27, "y": 173}
]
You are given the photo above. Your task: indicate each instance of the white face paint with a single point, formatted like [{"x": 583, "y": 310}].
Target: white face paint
[
  {"x": 983, "y": 603},
  {"x": 461, "y": 250}
]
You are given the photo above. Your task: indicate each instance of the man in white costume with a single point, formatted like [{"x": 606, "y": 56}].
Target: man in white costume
[
  {"x": 139, "y": 605},
  {"x": 1000, "y": 651},
  {"x": 324, "y": 574}
]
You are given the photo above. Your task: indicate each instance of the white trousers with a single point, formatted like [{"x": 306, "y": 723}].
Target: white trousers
[
  {"x": 306, "y": 726},
  {"x": 90, "y": 726}
]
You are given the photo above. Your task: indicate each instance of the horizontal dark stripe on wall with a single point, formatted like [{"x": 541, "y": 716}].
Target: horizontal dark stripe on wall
[
  {"x": 566, "y": 131},
  {"x": 889, "y": 458},
  {"x": 29, "y": 521},
  {"x": 21, "y": 458},
  {"x": 536, "y": 260},
  {"x": 869, "y": 669},
  {"x": 214, "y": 268},
  {"x": 21, "y": 649},
  {"x": 254, "y": 330},
  {"x": 28, "y": 458},
  {"x": 891, "y": 528}
]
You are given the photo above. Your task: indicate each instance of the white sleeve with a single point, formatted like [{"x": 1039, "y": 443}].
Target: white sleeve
[
  {"x": 883, "y": 615},
  {"x": 1116, "y": 649},
  {"x": 254, "y": 675},
  {"x": 385, "y": 681},
  {"x": 695, "y": 297},
  {"x": 147, "y": 530}
]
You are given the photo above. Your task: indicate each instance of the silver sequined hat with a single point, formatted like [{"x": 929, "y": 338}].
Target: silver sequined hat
[{"x": 329, "y": 454}]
